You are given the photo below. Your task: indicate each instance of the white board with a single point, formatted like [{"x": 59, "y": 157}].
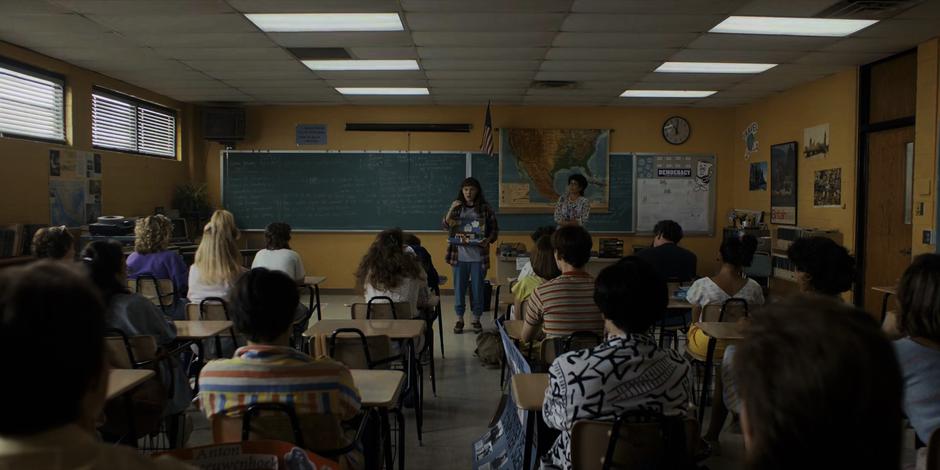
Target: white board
[{"x": 675, "y": 187}]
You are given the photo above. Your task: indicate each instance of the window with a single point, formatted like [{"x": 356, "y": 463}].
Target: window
[
  {"x": 32, "y": 103},
  {"x": 127, "y": 124}
]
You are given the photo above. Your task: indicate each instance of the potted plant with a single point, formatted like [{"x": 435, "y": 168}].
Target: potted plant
[{"x": 192, "y": 201}]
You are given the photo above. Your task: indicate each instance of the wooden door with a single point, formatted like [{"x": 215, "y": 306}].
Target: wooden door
[{"x": 887, "y": 236}]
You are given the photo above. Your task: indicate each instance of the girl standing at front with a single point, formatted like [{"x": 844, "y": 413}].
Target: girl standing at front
[{"x": 471, "y": 224}]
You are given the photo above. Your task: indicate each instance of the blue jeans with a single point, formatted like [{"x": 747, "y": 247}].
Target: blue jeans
[{"x": 468, "y": 271}]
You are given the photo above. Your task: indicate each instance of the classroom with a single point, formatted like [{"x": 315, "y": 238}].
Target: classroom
[{"x": 290, "y": 111}]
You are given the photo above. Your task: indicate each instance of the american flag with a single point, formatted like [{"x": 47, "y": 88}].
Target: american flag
[{"x": 487, "y": 145}]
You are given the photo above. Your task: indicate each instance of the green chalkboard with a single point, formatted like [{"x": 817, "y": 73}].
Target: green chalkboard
[
  {"x": 340, "y": 191},
  {"x": 349, "y": 191}
]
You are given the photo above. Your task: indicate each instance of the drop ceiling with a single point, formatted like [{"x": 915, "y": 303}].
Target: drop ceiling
[{"x": 469, "y": 52}]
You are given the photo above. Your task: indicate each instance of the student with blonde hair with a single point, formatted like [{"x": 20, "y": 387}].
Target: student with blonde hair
[
  {"x": 218, "y": 261},
  {"x": 152, "y": 256}
]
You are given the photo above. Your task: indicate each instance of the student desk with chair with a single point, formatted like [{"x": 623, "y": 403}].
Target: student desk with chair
[
  {"x": 528, "y": 391},
  {"x": 381, "y": 389},
  {"x": 121, "y": 381},
  {"x": 312, "y": 283},
  {"x": 197, "y": 331},
  {"x": 407, "y": 331},
  {"x": 716, "y": 331}
]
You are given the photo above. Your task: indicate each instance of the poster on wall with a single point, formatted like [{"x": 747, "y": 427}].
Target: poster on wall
[
  {"x": 74, "y": 187},
  {"x": 816, "y": 141},
  {"x": 750, "y": 140},
  {"x": 534, "y": 166},
  {"x": 757, "y": 178},
  {"x": 827, "y": 188},
  {"x": 783, "y": 187}
]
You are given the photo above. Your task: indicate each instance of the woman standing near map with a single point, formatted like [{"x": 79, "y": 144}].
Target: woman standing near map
[
  {"x": 573, "y": 208},
  {"x": 471, "y": 224}
]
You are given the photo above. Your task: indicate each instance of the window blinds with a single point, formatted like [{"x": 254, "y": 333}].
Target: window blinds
[
  {"x": 124, "y": 124},
  {"x": 31, "y": 105}
]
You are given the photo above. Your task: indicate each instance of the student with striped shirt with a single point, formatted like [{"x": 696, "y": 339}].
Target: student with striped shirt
[
  {"x": 267, "y": 370},
  {"x": 565, "y": 304}
]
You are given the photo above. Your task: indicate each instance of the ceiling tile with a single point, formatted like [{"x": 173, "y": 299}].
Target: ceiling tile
[
  {"x": 759, "y": 42},
  {"x": 653, "y": 102},
  {"x": 444, "y": 84},
  {"x": 588, "y": 93},
  {"x": 926, "y": 10},
  {"x": 914, "y": 31},
  {"x": 606, "y": 22},
  {"x": 343, "y": 39},
  {"x": 531, "y": 53},
  {"x": 740, "y": 55},
  {"x": 600, "y": 40},
  {"x": 258, "y": 74},
  {"x": 499, "y": 39},
  {"x": 409, "y": 83},
  {"x": 190, "y": 84},
  {"x": 699, "y": 79},
  {"x": 202, "y": 40},
  {"x": 383, "y": 52},
  {"x": 483, "y": 75},
  {"x": 389, "y": 100},
  {"x": 847, "y": 59},
  {"x": 11, "y": 7},
  {"x": 290, "y": 65},
  {"x": 883, "y": 45},
  {"x": 609, "y": 53},
  {"x": 478, "y": 22},
  {"x": 125, "y": 7},
  {"x": 492, "y": 6},
  {"x": 75, "y": 55},
  {"x": 311, "y": 82},
  {"x": 224, "y": 53},
  {"x": 49, "y": 23},
  {"x": 443, "y": 64},
  {"x": 377, "y": 75},
  {"x": 711, "y": 102},
  {"x": 771, "y": 82},
  {"x": 734, "y": 92},
  {"x": 477, "y": 100},
  {"x": 51, "y": 41},
  {"x": 579, "y": 76},
  {"x": 163, "y": 24},
  {"x": 478, "y": 91},
  {"x": 671, "y": 7},
  {"x": 786, "y": 8},
  {"x": 318, "y": 6},
  {"x": 597, "y": 66}
]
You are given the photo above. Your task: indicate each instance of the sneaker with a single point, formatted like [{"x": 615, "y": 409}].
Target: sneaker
[
  {"x": 458, "y": 328},
  {"x": 477, "y": 326}
]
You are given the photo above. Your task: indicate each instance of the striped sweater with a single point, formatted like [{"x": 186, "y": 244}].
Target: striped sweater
[
  {"x": 278, "y": 374},
  {"x": 564, "y": 305}
]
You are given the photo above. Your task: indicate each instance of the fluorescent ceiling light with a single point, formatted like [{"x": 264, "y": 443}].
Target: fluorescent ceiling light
[
  {"x": 301, "y": 22},
  {"x": 361, "y": 64},
  {"x": 382, "y": 91},
  {"x": 713, "y": 67},
  {"x": 667, "y": 93},
  {"x": 790, "y": 26}
]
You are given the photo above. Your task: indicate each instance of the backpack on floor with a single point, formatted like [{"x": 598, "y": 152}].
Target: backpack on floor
[{"x": 489, "y": 349}]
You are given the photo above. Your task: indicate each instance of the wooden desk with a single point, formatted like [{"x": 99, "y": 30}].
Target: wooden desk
[
  {"x": 716, "y": 331},
  {"x": 888, "y": 291},
  {"x": 122, "y": 380},
  {"x": 313, "y": 282},
  {"x": 528, "y": 391},
  {"x": 677, "y": 303},
  {"x": 196, "y": 330},
  {"x": 379, "y": 388},
  {"x": 514, "y": 328}
]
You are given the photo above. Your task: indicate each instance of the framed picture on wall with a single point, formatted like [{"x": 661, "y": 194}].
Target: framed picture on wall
[{"x": 783, "y": 183}]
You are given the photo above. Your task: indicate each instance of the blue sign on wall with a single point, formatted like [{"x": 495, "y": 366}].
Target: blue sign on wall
[{"x": 311, "y": 134}]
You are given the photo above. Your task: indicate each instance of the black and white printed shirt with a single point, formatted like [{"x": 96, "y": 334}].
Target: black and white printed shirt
[{"x": 625, "y": 373}]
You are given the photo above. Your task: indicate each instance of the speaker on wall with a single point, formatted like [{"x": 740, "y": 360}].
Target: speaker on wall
[{"x": 223, "y": 124}]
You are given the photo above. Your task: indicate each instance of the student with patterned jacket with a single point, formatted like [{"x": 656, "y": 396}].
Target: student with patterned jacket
[
  {"x": 268, "y": 370},
  {"x": 471, "y": 224},
  {"x": 628, "y": 371}
]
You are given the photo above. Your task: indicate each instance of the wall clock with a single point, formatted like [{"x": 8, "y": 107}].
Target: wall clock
[{"x": 676, "y": 130}]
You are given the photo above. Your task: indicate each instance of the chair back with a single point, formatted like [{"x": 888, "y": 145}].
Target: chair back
[
  {"x": 127, "y": 352},
  {"x": 354, "y": 349},
  {"x": 730, "y": 311},
  {"x": 210, "y": 308},
  {"x": 380, "y": 308},
  {"x": 636, "y": 440},
  {"x": 933, "y": 451},
  {"x": 158, "y": 291},
  {"x": 279, "y": 421},
  {"x": 553, "y": 347}
]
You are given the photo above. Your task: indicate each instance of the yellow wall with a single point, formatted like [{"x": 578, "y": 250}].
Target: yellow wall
[
  {"x": 782, "y": 118},
  {"x": 634, "y": 130},
  {"x": 925, "y": 144},
  {"x": 132, "y": 184}
]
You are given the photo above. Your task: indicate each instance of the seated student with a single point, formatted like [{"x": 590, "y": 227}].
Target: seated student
[
  {"x": 823, "y": 267},
  {"x": 538, "y": 233},
  {"x": 133, "y": 314},
  {"x": 387, "y": 270},
  {"x": 152, "y": 256},
  {"x": 730, "y": 283},
  {"x": 544, "y": 269},
  {"x": 565, "y": 304},
  {"x": 277, "y": 255},
  {"x": 629, "y": 371},
  {"x": 413, "y": 242},
  {"x": 49, "y": 418},
  {"x": 269, "y": 371},
  {"x": 54, "y": 242},
  {"x": 673, "y": 262},
  {"x": 919, "y": 352},
  {"x": 218, "y": 261},
  {"x": 820, "y": 388}
]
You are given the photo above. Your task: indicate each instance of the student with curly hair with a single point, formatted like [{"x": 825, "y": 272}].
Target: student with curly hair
[
  {"x": 388, "y": 270},
  {"x": 822, "y": 266},
  {"x": 54, "y": 242},
  {"x": 152, "y": 256},
  {"x": 572, "y": 207}
]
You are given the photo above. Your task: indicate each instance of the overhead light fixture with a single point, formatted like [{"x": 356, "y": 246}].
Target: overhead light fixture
[
  {"x": 325, "y": 22},
  {"x": 382, "y": 91},
  {"x": 713, "y": 67},
  {"x": 785, "y": 26},
  {"x": 361, "y": 64},
  {"x": 667, "y": 93}
]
